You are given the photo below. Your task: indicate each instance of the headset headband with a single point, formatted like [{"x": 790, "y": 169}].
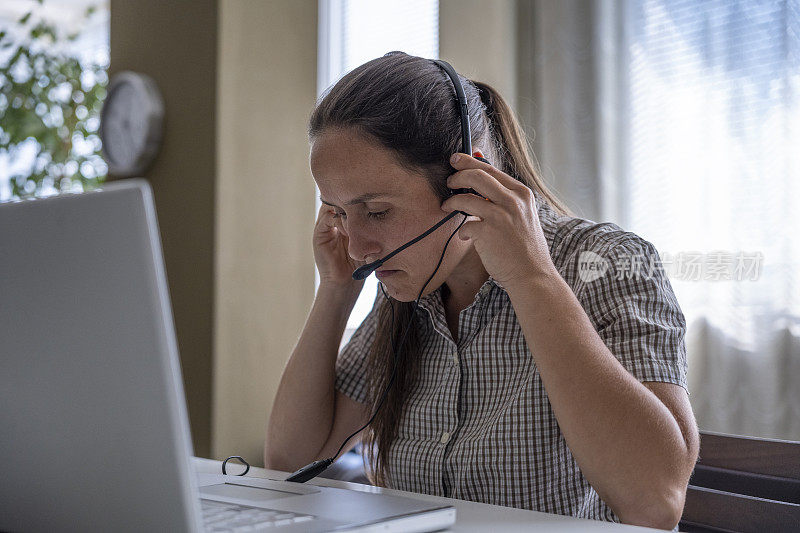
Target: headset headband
[{"x": 466, "y": 137}]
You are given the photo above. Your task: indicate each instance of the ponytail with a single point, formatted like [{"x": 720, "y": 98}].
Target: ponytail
[{"x": 511, "y": 145}]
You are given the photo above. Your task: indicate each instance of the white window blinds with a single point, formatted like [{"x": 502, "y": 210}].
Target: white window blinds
[
  {"x": 713, "y": 149},
  {"x": 710, "y": 115}
]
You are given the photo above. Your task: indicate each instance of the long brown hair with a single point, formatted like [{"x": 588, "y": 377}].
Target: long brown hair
[{"x": 407, "y": 104}]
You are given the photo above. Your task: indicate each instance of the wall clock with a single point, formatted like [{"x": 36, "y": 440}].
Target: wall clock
[{"x": 131, "y": 123}]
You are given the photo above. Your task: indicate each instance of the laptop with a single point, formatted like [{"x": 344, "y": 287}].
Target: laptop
[{"x": 94, "y": 434}]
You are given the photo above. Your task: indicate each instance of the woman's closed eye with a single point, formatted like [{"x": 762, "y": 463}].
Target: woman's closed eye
[{"x": 377, "y": 215}]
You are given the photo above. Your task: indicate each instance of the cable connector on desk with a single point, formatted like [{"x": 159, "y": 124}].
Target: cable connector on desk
[{"x": 310, "y": 471}]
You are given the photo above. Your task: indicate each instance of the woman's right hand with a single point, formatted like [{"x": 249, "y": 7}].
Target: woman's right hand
[{"x": 330, "y": 252}]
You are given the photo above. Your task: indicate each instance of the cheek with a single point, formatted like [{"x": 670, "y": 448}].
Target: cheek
[{"x": 428, "y": 250}]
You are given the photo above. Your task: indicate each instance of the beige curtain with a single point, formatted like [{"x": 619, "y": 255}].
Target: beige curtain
[{"x": 575, "y": 98}]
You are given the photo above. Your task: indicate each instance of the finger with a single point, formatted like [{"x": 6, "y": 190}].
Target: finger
[
  {"x": 324, "y": 212},
  {"x": 468, "y": 230},
  {"x": 322, "y": 220},
  {"x": 469, "y": 203},
  {"x": 461, "y": 161},
  {"x": 484, "y": 184},
  {"x": 326, "y": 219}
]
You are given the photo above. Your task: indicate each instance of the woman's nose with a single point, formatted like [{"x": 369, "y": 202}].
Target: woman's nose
[{"x": 361, "y": 241}]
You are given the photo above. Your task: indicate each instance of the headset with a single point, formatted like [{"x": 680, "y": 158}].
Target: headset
[{"x": 312, "y": 470}]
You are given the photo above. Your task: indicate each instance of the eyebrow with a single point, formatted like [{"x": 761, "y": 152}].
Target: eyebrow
[{"x": 360, "y": 199}]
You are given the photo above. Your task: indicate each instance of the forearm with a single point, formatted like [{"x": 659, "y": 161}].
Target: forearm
[
  {"x": 302, "y": 413},
  {"x": 627, "y": 443}
]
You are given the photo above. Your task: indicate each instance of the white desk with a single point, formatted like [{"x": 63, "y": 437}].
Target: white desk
[{"x": 470, "y": 516}]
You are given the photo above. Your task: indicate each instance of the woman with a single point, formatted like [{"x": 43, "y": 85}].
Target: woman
[{"x": 539, "y": 370}]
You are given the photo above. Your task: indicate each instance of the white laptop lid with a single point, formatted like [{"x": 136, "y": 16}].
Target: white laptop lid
[{"x": 86, "y": 333}]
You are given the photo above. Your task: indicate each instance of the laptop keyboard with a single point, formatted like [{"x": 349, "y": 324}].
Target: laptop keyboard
[{"x": 219, "y": 516}]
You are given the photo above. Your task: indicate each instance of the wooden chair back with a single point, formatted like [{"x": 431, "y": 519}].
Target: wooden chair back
[{"x": 743, "y": 484}]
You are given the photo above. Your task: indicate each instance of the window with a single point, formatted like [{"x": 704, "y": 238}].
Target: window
[
  {"x": 355, "y": 31},
  {"x": 711, "y": 175}
]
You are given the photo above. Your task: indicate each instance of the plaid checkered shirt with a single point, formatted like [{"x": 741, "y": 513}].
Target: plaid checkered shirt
[{"x": 478, "y": 424}]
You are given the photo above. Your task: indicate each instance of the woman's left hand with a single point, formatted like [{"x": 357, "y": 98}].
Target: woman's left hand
[{"x": 508, "y": 236}]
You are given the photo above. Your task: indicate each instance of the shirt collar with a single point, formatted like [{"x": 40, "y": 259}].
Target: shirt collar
[
  {"x": 433, "y": 300},
  {"x": 547, "y": 218}
]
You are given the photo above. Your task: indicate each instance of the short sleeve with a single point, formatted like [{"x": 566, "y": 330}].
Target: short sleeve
[
  {"x": 350, "y": 364},
  {"x": 634, "y": 309}
]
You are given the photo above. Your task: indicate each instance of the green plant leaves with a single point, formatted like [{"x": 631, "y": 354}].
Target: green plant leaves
[{"x": 49, "y": 98}]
